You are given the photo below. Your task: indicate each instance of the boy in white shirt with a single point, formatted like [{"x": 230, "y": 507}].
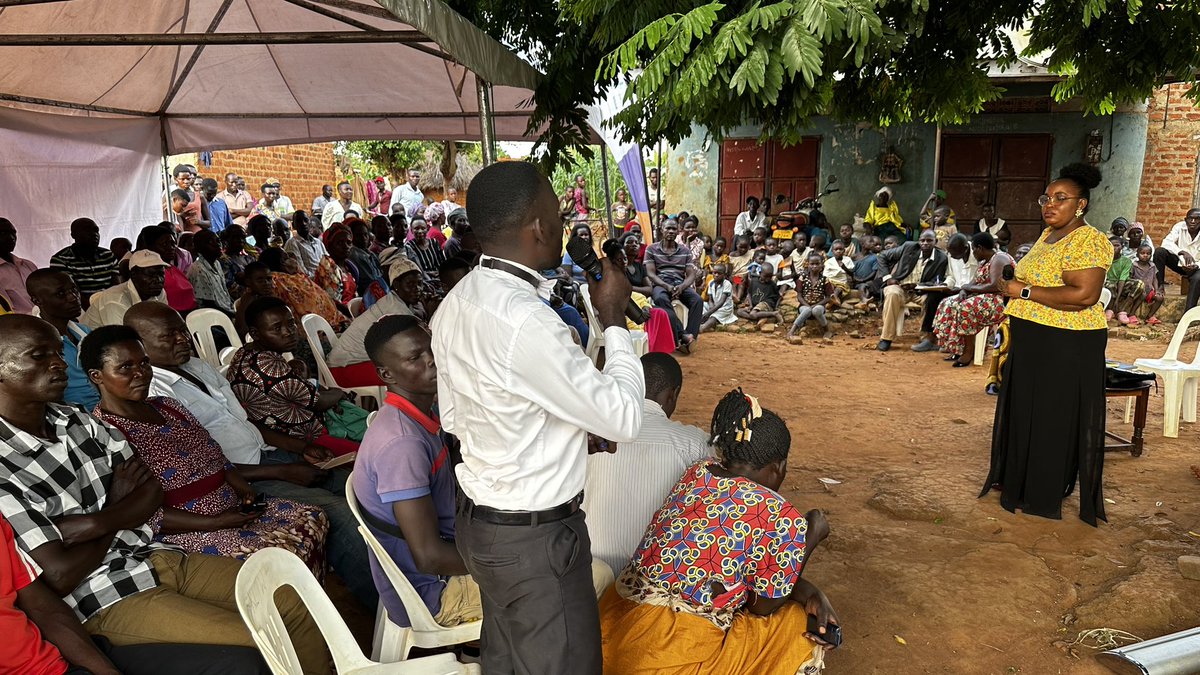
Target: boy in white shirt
[{"x": 839, "y": 269}]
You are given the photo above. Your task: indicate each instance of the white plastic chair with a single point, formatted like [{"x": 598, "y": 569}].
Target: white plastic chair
[
  {"x": 356, "y": 307},
  {"x": 1179, "y": 378},
  {"x": 641, "y": 341},
  {"x": 981, "y": 342},
  {"x": 272, "y": 568},
  {"x": 314, "y": 326},
  {"x": 200, "y": 324},
  {"x": 392, "y": 642}
]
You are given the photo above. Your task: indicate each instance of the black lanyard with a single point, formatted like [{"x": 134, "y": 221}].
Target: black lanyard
[{"x": 503, "y": 266}]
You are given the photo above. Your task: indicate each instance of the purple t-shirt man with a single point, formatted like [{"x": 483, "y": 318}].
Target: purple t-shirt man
[{"x": 403, "y": 456}]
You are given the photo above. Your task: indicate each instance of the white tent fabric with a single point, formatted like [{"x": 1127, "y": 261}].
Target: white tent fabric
[
  {"x": 90, "y": 96},
  {"x": 99, "y": 168},
  {"x": 222, "y": 96}
]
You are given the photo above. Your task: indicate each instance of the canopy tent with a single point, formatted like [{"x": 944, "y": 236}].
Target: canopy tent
[{"x": 93, "y": 93}]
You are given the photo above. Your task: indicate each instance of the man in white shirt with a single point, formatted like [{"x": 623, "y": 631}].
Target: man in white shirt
[
  {"x": 1180, "y": 251},
  {"x": 748, "y": 220},
  {"x": 147, "y": 273},
  {"x": 335, "y": 211},
  {"x": 960, "y": 269},
  {"x": 408, "y": 194},
  {"x": 522, "y": 397},
  {"x": 625, "y": 489},
  {"x": 280, "y": 465},
  {"x": 349, "y": 354}
]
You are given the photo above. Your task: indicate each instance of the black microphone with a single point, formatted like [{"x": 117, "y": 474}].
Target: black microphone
[
  {"x": 1007, "y": 272},
  {"x": 582, "y": 254}
]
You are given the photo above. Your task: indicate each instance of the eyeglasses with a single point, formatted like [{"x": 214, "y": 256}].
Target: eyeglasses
[{"x": 1058, "y": 199}]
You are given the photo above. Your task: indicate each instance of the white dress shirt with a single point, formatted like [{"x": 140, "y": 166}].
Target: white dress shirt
[
  {"x": 625, "y": 489},
  {"x": 991, "y": 229},
  {"x": 521, "y": 395},
  {"x": 350, "y": 348},
  {"x": 407, "y": 195},
  {"x": 334, "y": 212},
  {"x": 109, "y": 305},
  {"x": 1178, "y": 239},
  {"x": 959, "y": 272},
  {"x": 217, "y": 409},
  {"x": 746, "y": 225}
]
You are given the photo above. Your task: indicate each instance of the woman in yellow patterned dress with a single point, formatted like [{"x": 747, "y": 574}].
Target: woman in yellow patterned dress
[{"x": 1049, "y": 426}]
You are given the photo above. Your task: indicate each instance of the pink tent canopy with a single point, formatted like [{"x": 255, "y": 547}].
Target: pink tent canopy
[{"x": 94, "y": 92}]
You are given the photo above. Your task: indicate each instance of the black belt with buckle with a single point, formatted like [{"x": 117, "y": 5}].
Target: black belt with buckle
[{"x": 521, "y": 518}]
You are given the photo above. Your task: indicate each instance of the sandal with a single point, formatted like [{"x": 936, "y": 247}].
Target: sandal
[
  {"x": 992, "y": 390},
  {"x": 1153, "y": 321},
  {"x": 1133, "y": 321},
  {"x": 1108, "y": 314},
  {"x": 1123, "y": 319}
]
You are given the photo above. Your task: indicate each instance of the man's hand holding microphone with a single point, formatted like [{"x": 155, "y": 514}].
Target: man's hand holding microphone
[{"x": 607, "y": 284}]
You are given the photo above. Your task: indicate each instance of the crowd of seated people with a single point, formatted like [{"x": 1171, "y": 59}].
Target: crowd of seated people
[{"x": 204, "y": 463}]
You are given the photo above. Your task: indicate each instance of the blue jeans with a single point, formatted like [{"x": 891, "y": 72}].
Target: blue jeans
[{"x": 345, "y": 546}]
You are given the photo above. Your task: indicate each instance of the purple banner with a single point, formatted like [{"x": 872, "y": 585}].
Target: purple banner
[{"x": 634, "y": 173}]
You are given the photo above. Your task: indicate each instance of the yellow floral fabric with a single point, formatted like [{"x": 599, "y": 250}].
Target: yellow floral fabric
[{"x": 1044, "y": 265}]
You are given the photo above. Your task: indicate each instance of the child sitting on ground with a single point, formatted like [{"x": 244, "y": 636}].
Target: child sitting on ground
[
  {"x": 849, "y": 241},
  {"x": 718, "y": 309},
  {"x": 785, "y": 274},
  {"x": 814, "y": 291},
  {"x": 866, "y": 269},
  {"x": 760, "y": 237},
  {"x": 763, "y": 303},
  {"x": 718, "y": 255},
  {"x": 739, "y": 265},
  {"x": 818, "y": 244},
  {"x": 773, "y": 257},
  {"x": 757, "y": 261},
  {"x": 838, "y": 270},
  {"x": 1120, "y": 283},
  {"x": 1146, "y": 272}
]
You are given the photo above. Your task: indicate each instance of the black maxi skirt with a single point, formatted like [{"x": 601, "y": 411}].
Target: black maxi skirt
[{"x": 1049, "y": 426}]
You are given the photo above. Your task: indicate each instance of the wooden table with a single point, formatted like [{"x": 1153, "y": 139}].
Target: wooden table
[{"x": 1141, "y": 395}]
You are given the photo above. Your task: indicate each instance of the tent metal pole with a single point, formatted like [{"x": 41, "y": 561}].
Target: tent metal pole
[
  {"x": 612, "y": 231},
  {"x": 168, "y": 212},
  {"x": 487, "y": 125}
]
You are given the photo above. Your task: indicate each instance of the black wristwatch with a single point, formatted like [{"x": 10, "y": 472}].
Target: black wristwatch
[{"x": 1025, "y": 292}]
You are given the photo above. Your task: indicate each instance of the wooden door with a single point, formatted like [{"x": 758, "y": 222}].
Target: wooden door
[
  {"x": 749, "y": 169},
  {"x": 1008, "y": 170},
  {"x": 743, "y": 174}
]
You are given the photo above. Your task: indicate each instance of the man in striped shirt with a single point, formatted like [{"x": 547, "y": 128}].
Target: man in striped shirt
[{"x": 93, "y": 267}]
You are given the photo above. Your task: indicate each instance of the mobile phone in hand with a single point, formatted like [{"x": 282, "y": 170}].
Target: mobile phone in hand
[
  {"x": 832, "y": 635},
  {"x": 257, "y": 506}
]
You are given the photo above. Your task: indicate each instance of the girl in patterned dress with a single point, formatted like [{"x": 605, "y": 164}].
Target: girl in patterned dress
[
  {"x": 203, "y": 494},
  {"x": 715, "y": 586},
  {"x": 978, "y": 306}
]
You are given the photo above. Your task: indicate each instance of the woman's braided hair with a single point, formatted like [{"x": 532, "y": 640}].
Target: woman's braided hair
[{"x": 746, "y": 433}]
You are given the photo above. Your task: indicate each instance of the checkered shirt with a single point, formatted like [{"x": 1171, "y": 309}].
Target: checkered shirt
[{"x": 43, "y": 480}]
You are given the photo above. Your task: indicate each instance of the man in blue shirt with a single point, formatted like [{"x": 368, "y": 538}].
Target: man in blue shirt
[
  {"x": 56, "y": 296},
  {"x": 403, "y": 478},
  {"x": 218, "y": 211}
]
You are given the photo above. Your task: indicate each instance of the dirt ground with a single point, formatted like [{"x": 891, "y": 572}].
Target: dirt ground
[{"x": 914, "y": 555}]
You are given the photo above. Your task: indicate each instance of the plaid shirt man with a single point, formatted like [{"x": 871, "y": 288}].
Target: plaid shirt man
[{"x": 43, "y": 480}]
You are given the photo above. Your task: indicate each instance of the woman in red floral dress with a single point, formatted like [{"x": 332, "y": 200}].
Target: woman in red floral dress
[
  {"x": 978, "y": 305},
  {"x": 203, "y": 494}
]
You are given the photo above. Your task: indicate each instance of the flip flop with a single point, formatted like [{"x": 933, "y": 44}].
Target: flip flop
[
  {"x": 1153, "y": 321},
  {"x": 1133, "y": 321},
  {"x": 1123, "y": 319}
]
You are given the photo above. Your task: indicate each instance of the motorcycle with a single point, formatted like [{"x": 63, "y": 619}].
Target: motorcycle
[{"x": 805, "y": 217}]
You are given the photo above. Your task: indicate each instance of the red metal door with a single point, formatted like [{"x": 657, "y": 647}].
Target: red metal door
[
  {"x": 748, "y": 169},
  {"x": 743, "y": 174}
]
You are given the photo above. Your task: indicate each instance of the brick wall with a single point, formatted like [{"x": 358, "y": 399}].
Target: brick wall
[
  {"x": 1169, "y": 170},
  {"x": 301, "y": 169}
]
